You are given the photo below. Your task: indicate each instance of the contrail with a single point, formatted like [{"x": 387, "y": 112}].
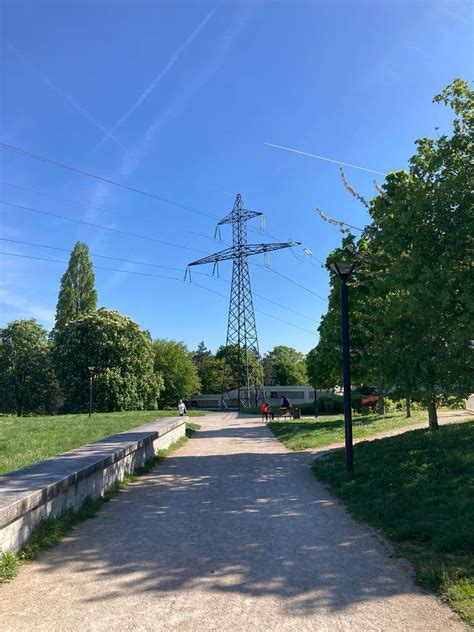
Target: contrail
[
  {"x": 67, "y": 97},
  {"x": 337, "y": 162},
  {"x": 173, "y": 59}
]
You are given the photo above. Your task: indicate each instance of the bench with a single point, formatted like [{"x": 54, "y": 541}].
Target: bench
[{"x": 285, "y": 412}]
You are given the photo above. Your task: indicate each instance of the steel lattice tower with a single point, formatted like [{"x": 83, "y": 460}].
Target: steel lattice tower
[{"x": 241, "y": 327}]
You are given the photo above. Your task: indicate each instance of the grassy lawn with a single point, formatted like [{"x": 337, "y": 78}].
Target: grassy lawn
[
  {"x": 418, "y": 488},
  {"x": 25, "y": 440},
  {"x": 310, "y": 432}
]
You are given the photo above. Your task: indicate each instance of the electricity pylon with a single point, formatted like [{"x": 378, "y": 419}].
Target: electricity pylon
[{"x": 241, "y": 327}]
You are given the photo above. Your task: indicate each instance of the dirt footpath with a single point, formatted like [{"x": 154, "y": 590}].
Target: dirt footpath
[{"x": 231, "y": 533}]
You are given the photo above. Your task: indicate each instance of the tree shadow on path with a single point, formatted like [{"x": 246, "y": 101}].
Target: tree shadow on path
[{"x": 252, "y": 523}]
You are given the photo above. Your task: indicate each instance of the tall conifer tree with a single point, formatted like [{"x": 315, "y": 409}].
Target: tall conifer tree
[{"x": 77, "y": 295}]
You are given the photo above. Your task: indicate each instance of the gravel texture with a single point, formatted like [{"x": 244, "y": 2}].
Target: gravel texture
[{"x": 232, "y": 532}]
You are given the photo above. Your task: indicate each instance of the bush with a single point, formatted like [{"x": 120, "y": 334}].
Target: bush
[{"x": 454, "y": 402}]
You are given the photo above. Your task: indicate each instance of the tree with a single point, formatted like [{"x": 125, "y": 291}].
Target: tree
[
  {"x": 211, "y": 371},
  {"x": 202, "y": 353},
  {"x": 424, "y": 226},
  {"x": 286, "y": 366},
  {"x": 174, "y": 362},
  {"x": 236, "y": 363},
  {"x": 122, "y": 356},
  {"x": 77, "y": 294},
  {"x": 411, "y": 300},
  {"x": 27, "y": 381},
  {"x": 211, "y": 375}
]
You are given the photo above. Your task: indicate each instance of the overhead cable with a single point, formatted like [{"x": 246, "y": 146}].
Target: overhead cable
[
  {"x": 107, "y": 180},
  {"x": 114, "y": 230},
  {"x": 159, "y": 276},
  {"x": 154, "y": 265}
]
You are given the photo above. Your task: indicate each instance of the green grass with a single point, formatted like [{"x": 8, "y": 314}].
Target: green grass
[
  {"x": 418, "y": 488},
  {"x": 310, "y": 432},
  {"x": 50, "y": 531},
  {"x": 25, "y": 440}
]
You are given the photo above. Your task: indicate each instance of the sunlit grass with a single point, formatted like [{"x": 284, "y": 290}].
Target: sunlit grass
[
  {"x": 25, "y": 440},
  {"x": 304, "y": 433},
  {"x": 418, "y": 488}
]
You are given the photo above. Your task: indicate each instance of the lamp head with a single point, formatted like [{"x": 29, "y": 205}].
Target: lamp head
[{"x": 343, "y": 269}]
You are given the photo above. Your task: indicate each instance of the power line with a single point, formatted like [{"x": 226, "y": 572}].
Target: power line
[
  {"x": 257, "y": 310},
  {"x": 107, "y": 210},
  {"x": 158, "y": 276},
  {"x": 160, "y": 241},
  {"x": 268, "y": 300},
  {"x": 24, "y": 152},
  {"x": 30, "y": 154},
  {"x": 283, "y": 276},
  {"x": 154, "y": 265},
  {"x": 265, "y": 232},
  {"x": 114, "y": 230},
  {"x": 92, "y": 254}
]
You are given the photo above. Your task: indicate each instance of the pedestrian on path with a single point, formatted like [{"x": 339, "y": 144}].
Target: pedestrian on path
[{"x": 181, "y": 408}]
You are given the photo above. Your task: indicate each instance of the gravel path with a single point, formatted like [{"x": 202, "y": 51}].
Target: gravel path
[{"x": 233, "y": 532}]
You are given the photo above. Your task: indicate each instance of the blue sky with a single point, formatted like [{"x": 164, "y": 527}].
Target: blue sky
[{"x": 179, "y": 99}]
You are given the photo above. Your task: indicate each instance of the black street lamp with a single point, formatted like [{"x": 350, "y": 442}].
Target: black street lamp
[
  {"x": 344, "y": 269},
  {"x": 91, "y": 378}
]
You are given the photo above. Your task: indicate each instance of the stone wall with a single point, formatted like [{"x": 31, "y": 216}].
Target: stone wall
[{"x": 50, "y": 487}]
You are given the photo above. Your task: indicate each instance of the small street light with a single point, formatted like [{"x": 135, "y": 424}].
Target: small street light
[
  {"x": 91, "y": 378},
  {"x": 344, "y": 269}
]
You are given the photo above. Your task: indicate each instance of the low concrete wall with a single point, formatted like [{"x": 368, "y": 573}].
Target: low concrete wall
[
  {"x": 470, "y": 403},
  {"x": 50, "y": 487}
]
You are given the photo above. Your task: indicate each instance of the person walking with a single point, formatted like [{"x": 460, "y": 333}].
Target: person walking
[{"x": 181, "y": 408}]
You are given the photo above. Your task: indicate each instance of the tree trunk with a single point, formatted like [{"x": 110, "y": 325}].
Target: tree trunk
[
  {"x": 381, "y": 402},
  {"x": 408, "y": 406},
  {"x": 432, "y": 414}
]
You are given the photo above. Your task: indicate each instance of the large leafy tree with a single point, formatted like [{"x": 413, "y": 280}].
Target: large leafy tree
[
  {"x": 285, "y": 366},
  {"x": 77, "y": 295},
  {"x": 411, "y": 300},
  {"x": 27, "y": 381},
  {"x": 424, "y": 226},
  {"x": 122, "y": 356},
  {"x": 174, "y": 362}
]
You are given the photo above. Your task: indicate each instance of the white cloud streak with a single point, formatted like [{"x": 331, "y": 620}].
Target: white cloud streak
[
  {"x": 66, "y": 97},
  {"x": 163, "y": 72},
  {"x": 337, "y": 162}
]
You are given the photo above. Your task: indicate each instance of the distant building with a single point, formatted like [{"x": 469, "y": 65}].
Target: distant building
[{"x": 296, "y": 394}]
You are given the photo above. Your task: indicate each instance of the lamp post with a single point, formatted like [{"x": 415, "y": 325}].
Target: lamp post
[
  {"x": 91, "y": 378},
  {"x": 344, "y": 269}
]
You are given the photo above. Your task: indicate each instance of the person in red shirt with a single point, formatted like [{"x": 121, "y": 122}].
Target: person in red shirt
[{"x": 264, "y": 409}]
